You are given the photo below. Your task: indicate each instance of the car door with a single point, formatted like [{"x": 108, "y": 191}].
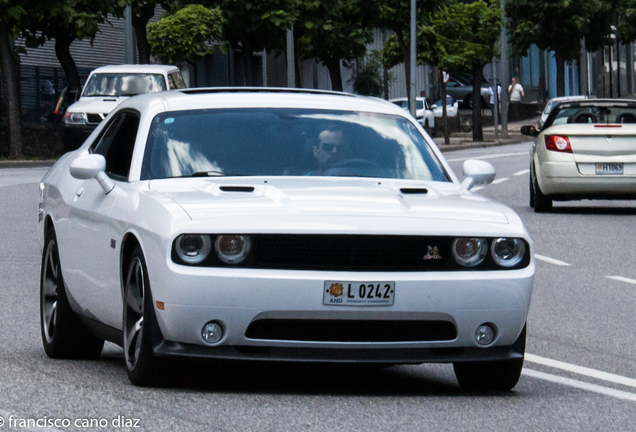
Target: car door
[{"x": 92, "y": 270}]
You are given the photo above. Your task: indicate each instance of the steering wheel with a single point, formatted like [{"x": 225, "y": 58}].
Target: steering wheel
[{"x": 354, "y": 163}]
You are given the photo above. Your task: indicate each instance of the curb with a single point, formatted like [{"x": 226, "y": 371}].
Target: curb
[{"x": 26, "y": 163}]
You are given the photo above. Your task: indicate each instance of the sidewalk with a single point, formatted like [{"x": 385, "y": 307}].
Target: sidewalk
[{"x": 463, "y": 140}]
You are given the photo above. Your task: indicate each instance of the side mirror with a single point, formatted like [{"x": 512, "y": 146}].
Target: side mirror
[
  {"x": 92, "y": 166},
  {"x": 477, "y": 172},
  {"x": 433, "y": 106},
  {"x": 529, "y": 130}
]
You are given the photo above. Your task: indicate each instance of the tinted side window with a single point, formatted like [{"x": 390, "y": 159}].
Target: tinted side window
[
  {"x": 104, "y": 142},
  {"x": 120, "y": 153},
  {"x": 176, "y": 80}
]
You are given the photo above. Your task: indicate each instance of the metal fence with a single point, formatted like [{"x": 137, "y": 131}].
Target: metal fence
[{"x": 40, "y": 88}]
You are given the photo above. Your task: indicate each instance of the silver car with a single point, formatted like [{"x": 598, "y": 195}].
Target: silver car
[{"x": 585, "y": 150}]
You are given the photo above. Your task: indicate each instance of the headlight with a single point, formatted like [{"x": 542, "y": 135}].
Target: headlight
[
  {"x": 232, "y": 249},
  {"x": 75, "y": 118},
  {"x": 469, "y": 252},
  {"x": 193, "y": 248},
  {"x": 508, "y": 252}
]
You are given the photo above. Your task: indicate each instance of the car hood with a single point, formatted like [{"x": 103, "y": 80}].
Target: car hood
[
  {"x": 266, "y": 202},
  {"x": 102, "y": 105}
]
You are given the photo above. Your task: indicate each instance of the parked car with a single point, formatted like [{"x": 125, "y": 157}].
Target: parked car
[
  {"x": 279, "y": 224},
  {"x": 462, "y": 90},
  {"x": 585, "y": 150},
  {"x": 424, "y": 113},
  {"x": 552, "y": 103},
  {"x": 452, "y": 107},
  {"x": 106, "y": 87}
]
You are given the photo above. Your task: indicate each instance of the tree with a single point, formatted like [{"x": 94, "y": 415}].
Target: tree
[
  {"x": 142, "y": 12},
  {"x": 66, "y": 21},
  {"x": 368, "y": 79},
  {"x": 331, "y": 31},
  {"x": 186, "y": 35},
  {"x": 252, "y": 26},
  {"x": 13, "y": 17},
  {"x": 395, "y": 15},
  {"x": 560, "y": 26},
  {"x": 466, "y": 35}
]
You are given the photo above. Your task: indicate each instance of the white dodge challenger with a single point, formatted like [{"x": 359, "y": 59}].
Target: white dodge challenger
[{"x": 279, "y": 224}]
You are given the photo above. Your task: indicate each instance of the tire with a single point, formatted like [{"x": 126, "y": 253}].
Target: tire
[
  {"x": 542, "y": 203},
  {"x": 144, "y": 369},
  {"x": 63, "y": 334},
  {"x": 492, "y": 376}
]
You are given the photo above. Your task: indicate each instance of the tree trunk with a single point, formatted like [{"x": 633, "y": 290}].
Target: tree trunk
[
  {"x": 248, "y": 63},
  {"x": 12, "y": 98},
  {"x": 63, "y": 53},
  {"x": 478, "y": 76},
  {"x": 333, "y": 64},
  {"x": 406, "y": 56},
  {"x": 445, "y": 113},
  {"x": 139, "y": 23},
  {"x": 560, "y": 64}
]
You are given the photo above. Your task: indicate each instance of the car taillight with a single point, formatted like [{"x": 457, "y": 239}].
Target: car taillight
[{"x": 558, "y": 143}]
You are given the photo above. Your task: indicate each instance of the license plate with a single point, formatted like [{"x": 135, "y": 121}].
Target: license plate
[
  {"x": 340, "y": 293},
  {"x": 609, "y": 168}
]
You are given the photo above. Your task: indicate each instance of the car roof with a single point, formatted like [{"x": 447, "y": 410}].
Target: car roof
[
  {"x": 595, "y": 102},
  {"x": 258, "y": 97},
  {"x": 135, "y": 68}
]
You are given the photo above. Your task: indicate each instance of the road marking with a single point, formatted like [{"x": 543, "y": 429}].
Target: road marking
[
  {"x": 493, "y": 156},
  {"x": 581, "y": 370},
  {"x": 522, "y": 172},
  {"x": 475, "y": 189},
  {"x": 580, "y": 385},
  {"x": 550, "y": 260},
  {"x": 501, "y": 180},
  {"x": 622, "y": 279}
]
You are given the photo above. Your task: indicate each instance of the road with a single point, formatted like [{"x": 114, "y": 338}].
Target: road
[{"x": 579, "y": 375}]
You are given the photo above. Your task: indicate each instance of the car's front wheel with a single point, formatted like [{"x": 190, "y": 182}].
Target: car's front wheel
[
  {"x": 491, "y": 375},
  {"x": 142, "y": 365},
  {"x": 63, "y": 335}
]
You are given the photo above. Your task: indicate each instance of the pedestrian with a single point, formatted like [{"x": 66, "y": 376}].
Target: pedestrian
[
  {"x": 423, "y": 94},
  {"x": 515, "y": 91},
  {"x": 492, "y": 100}
]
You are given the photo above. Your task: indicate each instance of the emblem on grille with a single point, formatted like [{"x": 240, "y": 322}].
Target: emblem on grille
[
  {"x": 609, "y": 139},
  {"x": 336, "y": 289},
  {"x": 433, "y": 253}
]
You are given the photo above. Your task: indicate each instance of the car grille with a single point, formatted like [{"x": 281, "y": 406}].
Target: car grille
[
  {"x": 94, "y": 118},
  {"x": 351, "y": 330},
  {"x": 351, "y": 252}
]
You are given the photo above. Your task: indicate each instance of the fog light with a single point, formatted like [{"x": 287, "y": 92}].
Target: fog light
[
  {"x": 212, "y": 332},
  {"x": 485, "y": 334}
]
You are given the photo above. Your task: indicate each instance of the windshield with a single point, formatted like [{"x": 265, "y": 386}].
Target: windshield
[
  {"x": 405, "y": 104},
  {"x": 287, "y": 142},
  {"x": 593, "y": 114},
  {"x": 123, "y": 84}
]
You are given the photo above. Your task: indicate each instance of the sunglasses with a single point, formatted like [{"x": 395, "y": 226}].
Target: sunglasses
[{"x": 328, "y": 147}]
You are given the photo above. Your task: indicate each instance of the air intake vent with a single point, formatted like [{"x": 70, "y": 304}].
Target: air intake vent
[
  {"x": 237, "y": 188},
  {"x": 351, "y": 330},
  {"x": 409, "y": 191}
]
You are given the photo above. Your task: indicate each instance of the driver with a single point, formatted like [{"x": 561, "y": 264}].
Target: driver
[{"x": 329, "y": 150}]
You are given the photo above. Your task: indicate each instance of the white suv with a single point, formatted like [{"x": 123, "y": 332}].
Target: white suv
[{"x": 105, "y": 88}]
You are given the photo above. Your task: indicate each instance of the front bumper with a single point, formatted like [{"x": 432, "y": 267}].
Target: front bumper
[{"x": 236, "y": 298}]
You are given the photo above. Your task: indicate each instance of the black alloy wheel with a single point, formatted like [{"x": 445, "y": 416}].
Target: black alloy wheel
[
  {"x": 142, "y": 365},
  {"x": 63, "y": 335}
]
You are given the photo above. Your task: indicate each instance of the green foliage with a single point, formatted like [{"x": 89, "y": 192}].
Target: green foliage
[
  {"x": 559, "y": 25},
  {"x": 368, "y": 77},
  {"x": 185, "y": 35},
  {"x": 333, "y": 29},
  {"x": 626, "y": 25}
]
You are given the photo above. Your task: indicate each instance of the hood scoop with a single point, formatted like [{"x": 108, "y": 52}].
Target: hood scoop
[
  {"x": 414, "y": 191},
  {"x": 247, "y": 189}
]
